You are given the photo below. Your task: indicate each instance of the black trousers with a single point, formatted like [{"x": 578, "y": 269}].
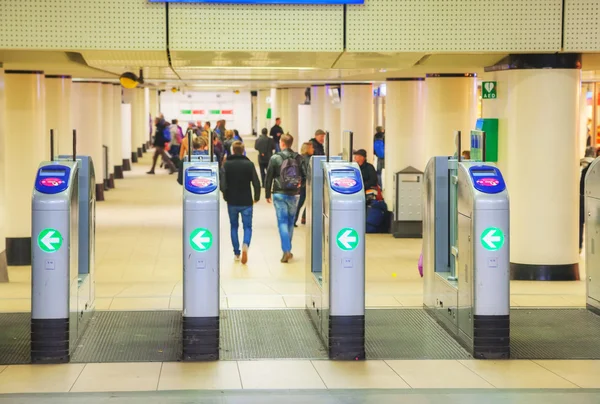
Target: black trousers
[{"x": 263, "y": 172}]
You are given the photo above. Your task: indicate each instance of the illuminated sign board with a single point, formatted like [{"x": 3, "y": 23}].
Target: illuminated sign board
[{"x": 264, "y": 1}]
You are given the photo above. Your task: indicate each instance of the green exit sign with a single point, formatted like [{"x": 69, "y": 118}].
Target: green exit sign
[{"x": 488, "y": 90}]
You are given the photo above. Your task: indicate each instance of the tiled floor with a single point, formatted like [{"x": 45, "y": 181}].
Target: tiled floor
[
  {"x": 138, "y": 260},
  {"x": 299, "y": 374}
]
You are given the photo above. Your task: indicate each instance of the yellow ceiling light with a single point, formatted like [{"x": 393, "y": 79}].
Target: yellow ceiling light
[{"x": 130, "y": 80}]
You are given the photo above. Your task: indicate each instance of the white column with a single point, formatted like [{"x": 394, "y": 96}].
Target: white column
[
  {"x": 284, "y": 109},
  {"x": 117, "y": 141},
  {"x": 542, "y": 114},
  {"x": 404, "y": 138},
  {"x": 332, "y": 116},
  {"x": 274, "y": 107},
  {"x": 357, "y": 115},
  {"x": 58, "y": 112},
  {"x": 450, "y": 105},
  {"x": 3, "y": 213},
  {"x": 318, "y": 98},
  {"x": 295, "y": 98},
  {"x": 89, "y": 124},
  {"x": 107, "y": 132},
  {"x": 261, "y": 110},
  {"x": 26, "y": 145},
  {"x": 126, "y": 128}
]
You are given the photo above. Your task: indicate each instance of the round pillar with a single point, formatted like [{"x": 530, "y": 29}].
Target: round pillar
[
  {"x": 89, "y": 122},
  {"x": 58, "y": 112},
  {"x": 357, "y": 115},
  {"x": 24, "y": 150},
  {"x": 541, "y": 115},
  {"x": 332, "y": 123},
  {"x": 141, "y": 121},
  {"x": 404, "y": 140},
  {"x": 3, "y": 213},
  {"x": 117, "y": 143},
  {"x": 450, "y": 105},
  {"x": 295, "y": 97},
  {"x": 317, "y": 107},
  {"x": 107, "y": 133},
  {"x": 284, "y": 110}
]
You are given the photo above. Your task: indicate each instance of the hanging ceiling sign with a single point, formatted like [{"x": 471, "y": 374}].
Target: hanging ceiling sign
[{"x": 264, "y": 1}]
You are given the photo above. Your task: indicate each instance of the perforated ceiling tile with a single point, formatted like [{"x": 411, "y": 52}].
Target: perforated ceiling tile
[
  {"x": 582, "y": 25},
  {"x": 257, "y": 27},
  {"x": 454, "y": 26},
  {"x": 82, "y": 24}
]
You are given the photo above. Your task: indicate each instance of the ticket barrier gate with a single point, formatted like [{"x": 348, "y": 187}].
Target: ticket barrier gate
[
  {"x": 466, "y": 254},
  {"x": 592, "y": 238},
  {"x": 62, "y": 300},
  {"x": 336, "y": 296},
  {"x": 200, "y": 260}
]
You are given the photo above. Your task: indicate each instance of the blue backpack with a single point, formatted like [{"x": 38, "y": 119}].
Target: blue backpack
[
  {"x": 167, "y": 134},
  {"x": 379, "y": 148}
]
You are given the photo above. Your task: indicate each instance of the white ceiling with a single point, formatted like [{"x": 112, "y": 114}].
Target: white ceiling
[{"x": 256, "y": 70}]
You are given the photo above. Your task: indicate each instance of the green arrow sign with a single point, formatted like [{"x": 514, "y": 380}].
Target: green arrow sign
[
  {"x": 201, "y": 239},
  {"x": 347, "y": 239},
  {"x": 492, "y": 239},
  {"x": 50, "y": 240}
]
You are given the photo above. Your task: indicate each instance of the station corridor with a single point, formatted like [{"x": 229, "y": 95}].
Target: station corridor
[
  {"x": 139, "y": 261},
  {"x": 138, "y": 267}
]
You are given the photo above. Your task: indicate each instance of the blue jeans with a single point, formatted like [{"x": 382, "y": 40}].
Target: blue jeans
[
  {"x": 285, "y": 209},
  {"x": 234, "y": 212}
]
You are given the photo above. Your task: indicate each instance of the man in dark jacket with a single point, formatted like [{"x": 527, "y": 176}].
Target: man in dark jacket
[
  {"x": 265, "y": 146},
  {"x": 276, "y": 132},
  {"x": 159, "y": 146},
  {"x": 318, "y": 141},
  {"x": 285, "y": 200},
  {"x": 237, "y": 174},
  {"x": 368, "y": 172}
]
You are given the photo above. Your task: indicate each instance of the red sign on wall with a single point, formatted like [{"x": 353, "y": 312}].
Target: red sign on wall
[
  {"x": 198, "y": 112},
  {"x": 227, "y": 112}
]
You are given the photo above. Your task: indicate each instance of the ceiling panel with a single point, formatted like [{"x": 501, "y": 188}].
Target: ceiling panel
[{"x": 256, "y": 27}]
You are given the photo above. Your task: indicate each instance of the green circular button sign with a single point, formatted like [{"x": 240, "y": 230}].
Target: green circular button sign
[
  {"x": 201, "y": 239},
  {"x": 49, "y": 240},
  {"x": 492, "y": 239},
  {"x": 347, "y": 239}
]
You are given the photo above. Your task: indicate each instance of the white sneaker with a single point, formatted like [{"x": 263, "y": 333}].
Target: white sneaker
[{"x": 237, "y": 258}]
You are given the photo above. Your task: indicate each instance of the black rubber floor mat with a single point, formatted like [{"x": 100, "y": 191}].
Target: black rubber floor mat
[{"x": 554, "y": 334}]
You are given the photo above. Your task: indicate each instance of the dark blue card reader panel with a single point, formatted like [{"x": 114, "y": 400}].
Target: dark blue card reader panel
[
  {"x": 52, "y": 179},
  {"x": 487, "y": 179},
  {"x": 347, "y": 180},
  {"x": 200, "y": 181}
]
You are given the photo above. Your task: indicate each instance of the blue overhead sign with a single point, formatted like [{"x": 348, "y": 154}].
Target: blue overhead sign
[{"x": 264, "y": 1}]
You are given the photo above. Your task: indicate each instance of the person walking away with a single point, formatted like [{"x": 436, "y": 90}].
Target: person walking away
[
  {"x": 317, "y": 143},
  {"x": 207, "y": 127},
  {"x": 228, "y": 143},
  {"x": 276, "y": 133},
  {"x": 264, "y": 146},
  {"x": 379, "y": 150},
  {"x": 218, "y": 149},
  {"x": 286, "y": 175},
  {"x": 176, "y": 139},
  {"x": 160, "y": 139},
  {"x": 306, "y": 152},
  {"x": 367, "y": 171},
  {"x": 237, "y": 175}
]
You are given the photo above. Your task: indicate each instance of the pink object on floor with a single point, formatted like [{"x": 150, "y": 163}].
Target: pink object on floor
[{"x": 420, "y": 265}]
